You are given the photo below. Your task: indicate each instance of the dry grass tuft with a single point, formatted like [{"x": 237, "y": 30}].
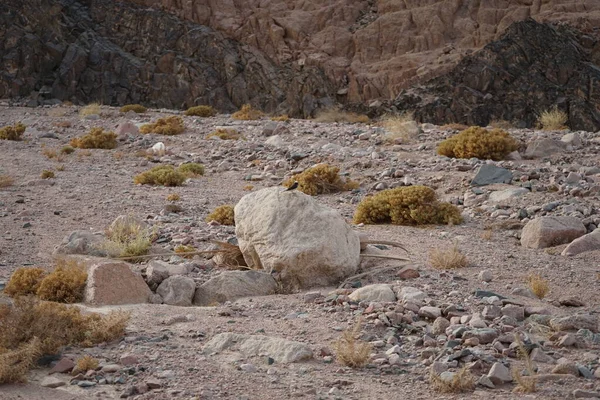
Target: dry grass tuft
[
  {"x": 49, "y": 153},
  {"x": 280, "y": 118},
  {"x": 228, "y": 256},
  {"x": 487, "y": 234},
  {"x": 201, "y": 111},
  {"x": 524, "y": 384},
  {"x": 172, "y": 125},
  {"x": 247, "y": 113},
  {"x": 480, "y": 143},
  {"x": 6, "y": 181},
  {"x": 337, "y": 115},
  {"x": 161, "y": 175},
  {"x": 126, "y": 237},
  {"x": 222, "y": 214},
  {"x": 448, "y": 258},
  {"x": 47, "y": 174},
  {"x": 24, "y": 281},
  {"x": 182, "y": 249},
  {"x": 454, "y": 127},
  {"x": 85, "y": 364},
  {"x": 191, "y": 170},
  {"x": 90, "y": 109},
  {"x": 320, "y": 179},
  {"x": 399, "y": 127},
  {"x": 173, "y": 197},
  {"x": 14, "y": 132},
  {"x": 538, "y": 285},
  {"x": 226, "y": 134},
  {"x": 350, "y": 351},
  {"x": 462, "y": 381},
  {"x": 553, "y": 120},
  {"x": 65, "y": 284},
  {"x": 248, "y": 188},
  {"x": 136, "y": 108},
  {"x": 410, "y": 205},
  {"x": 15, "y": 363},
  {"x": 67, "y": 150},
  {"x": 96, "y": 139}
]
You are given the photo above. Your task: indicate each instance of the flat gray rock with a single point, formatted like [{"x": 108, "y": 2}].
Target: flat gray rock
[
  {"x": 281, "y": 350},
  {"x": 489, "y": 174}
]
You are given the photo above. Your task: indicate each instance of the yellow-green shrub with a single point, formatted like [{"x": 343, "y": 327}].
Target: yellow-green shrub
[
  {"x": 127, "y": 238},
  {"x": 67, "y": 150},
  {"x": 223, "y": 215},
  {"x": 24, "y": 281},
  {"x": 136, "y": 108},
  {"x": 322, "y": 178},
  {"x": 246, "y": 113},
  {"x": 47, "y": 174},
  {"x": 96, "y": 139},
  {"x": 480, "y": 143},
  {"x": 172, "y": 125},
  {"x": 65, "y": 284},
  {"x": 201, "y": 111},
  {"x": 191, "y": 169},
  {"x": 411, "y": 205},
  {"x": 12, "y": 132},
  {"x": 163, "y": 175},
  {"x": 226, "y": 134}
]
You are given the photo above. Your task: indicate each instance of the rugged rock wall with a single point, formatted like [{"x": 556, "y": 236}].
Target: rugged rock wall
[
  {"x": 117, "y": 53},
  {"x": 531, "y": 69},
  {"x": 371, "y": 49}
]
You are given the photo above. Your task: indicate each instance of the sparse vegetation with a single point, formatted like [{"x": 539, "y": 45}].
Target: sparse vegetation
[
  {"x": 90, "y": 109},
  {"x": 201, "y": 111},
  {"x": 6, "y": 181},
  {"x": 350, "y": 351},
  {"x": 448, "y": 258},
  {"x": 67, "y": 150},
  {"x": 322, "y": 178},
  {"x": 85, "y": 364},
  {"x": 228, "y": 256},
  {"x": 462, "y": 381},
  {"x": 127, "y": 238},
  {"x": 65, "y": 284},
  {"x": 173, "y": 197},
  {"x": 524, "y": 384},
  {"x": 172, "y": 125},
  {"x": 399, "y": 127},
  {"x": 191, "y": 170},
  {"x": 96, "y": 139},
  {"x": 182, "y": 249},
  {"x": 223, "y": 215},
  {"x": 480, "y": 143},
  {"x": 163, "y": 175},
  {"x": 49, "y": 153},
  {"x": 226, "y": 134},
  {"x": 136, "y": 108},
  {"x": 62, "y": 124},
  {"x": 24, "y": 281},
  {"x": 30, "y": 328},
  {"x": 280, "y": 118},
  {"x": 337, "y": 115},
  {"x": 14, "y": 132},
  {"x": 501, "y": 124},
  {"x": 538, "y": 285},
  {"x": 47, "y": 174},
  {"x": 247, "y": 113},
  {"x": 553, "y": 119},
  {"x": 248, "y": 188},
  {"x": 411, "y": 205},
  {"x": 454, "y": 127}
]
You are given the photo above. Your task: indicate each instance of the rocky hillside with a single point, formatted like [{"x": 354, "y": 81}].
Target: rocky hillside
[{"x": 117, "y": 53}]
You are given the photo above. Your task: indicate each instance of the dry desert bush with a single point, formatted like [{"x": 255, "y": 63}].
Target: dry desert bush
[
  {"x": 337, "y": 115},
  {"x": 524, "y": 384},
  {"x": 47, "y": 174},
  {"x": 85, "y": 364},
  {"x": 65, "y": 284},
  {"x": 553, "y": 120},
  {"x": 127, "y": 238},
  {"x": 191, "y": 170},
  {"x": 161, "y": 175},
  {"x": 173, "y": 197},
  {"x": 479, "y": 143},
  {"x": 448, "y": 258},
  {"x": 462, "y": 381},
  {"x": 172, "y": 125},
  {"x": 411, "y": 205},
  {"x": 90, "y": 109},
  {"x": 247, "y": 113},
  {"x": 399, "y": 126},
  {"x": 226, "y": 134},
  {"x": 350, "y": 351},
  {"x": 201, "y": 111},
  {"x": 321, "y": 179},
  {"x": 6, "y": 180},
  {"x": 280, "y": 118},
  {"x": 136, "y": 108},
  {"x": 222, "y": 214},
  {"x": 97, "y": 138},
  {"x": 538, "y": 285},
  {"x": 14, "y": 132}
]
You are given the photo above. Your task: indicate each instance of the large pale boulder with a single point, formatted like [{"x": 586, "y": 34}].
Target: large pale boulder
[
  {"x": 232, "y": 285},
  {"x": 307, "y": 243},
  {"x": 377, "y": 292},
  {"x": 589, "y": 242},
  {"x": 114, "y": 283},
  {"x": 545, "y": 232},
  {"x": 281, "y": 350}
]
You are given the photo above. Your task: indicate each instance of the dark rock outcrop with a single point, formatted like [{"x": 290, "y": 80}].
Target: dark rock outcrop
[
  {"x": 532, "y": 68},
  {"x": 117, "y": 53}
]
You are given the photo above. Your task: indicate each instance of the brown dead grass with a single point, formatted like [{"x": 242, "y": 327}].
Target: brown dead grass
[
  {"x": 85, "y": 364},
  {"x": 6, "y": 181},
  {"x": 280, "y": 118},
  {"x": 337, "y": 115},
  {"x": 397, "y": 127},
  {"x": 46, "y": 174},
  {"x": 24, "y": 281},
  {"x": 350, "y": 351},
  {"x": 553, "y": 120},
  {"x": 65, "y": 284},
  {"x": 127, "y": 238},
  {"x": 247, "y": 113},
  {"x": 525, "y": 384},
  {"x": 222, "y": 214},
  {"x": 90, "y": 109},
  {"x": 173, "y": 197},
  {"x": 15, "y": 363},
  {"x": 538, "y": 285},
  {"x": 169, "y": 126},
  {"x": 463, "y": 381},
  {"x": 448, "y": 258},
  {"x": 228, "y": 256}
]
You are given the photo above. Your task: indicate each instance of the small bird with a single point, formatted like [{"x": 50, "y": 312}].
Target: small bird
[{"x": 294, "y": 186}]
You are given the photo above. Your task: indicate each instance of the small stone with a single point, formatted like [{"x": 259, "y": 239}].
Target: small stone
[
  {"x": 111, "y": 368},
  {"x": 585, "y": 394},
  {"x": 438, "y": 367},
  {"x": 430, "y": 312},
  {"x": 52, "y": 382},
  {"x": 499, "y": 374},
  {"x": 486, "y": 382},
  {"x": 570, "y": 301},
  {"x": 311, "y": 297},
  {"x": 538, "y": 355},
  {"x": 394, "y": 359},
  {"x": 513, "y": 311},
  {"x": 86, "y": 384},
  {"x": 567, "y": 368},
  {"x": 153, "y": 384},
  {"x": 575, "y": 322},
  {"x": 408, "y": 273},
  {"x": 486, "y": 275},
  {"x": 568, "y": 340},
  {"x": 248, "y": 368},
  {"x": 439, "y": 326},
  {"x": 472, "y": 342},
  {"x": 491, "y": 312},
  {"x": 128, "y": 359},
  {"x": 63, "y": 366}
]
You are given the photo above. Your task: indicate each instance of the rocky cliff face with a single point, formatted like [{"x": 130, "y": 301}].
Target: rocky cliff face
[
  {"x": 117, "y": 53},
  {"x": 532, "y": 68}
]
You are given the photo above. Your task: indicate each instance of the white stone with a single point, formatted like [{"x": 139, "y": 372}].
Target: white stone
[
  {"x": 232, "y": 285},
  {"x": 378, "y": 292},
  {"x": 281, "y": 350},
  {"x": 159, "y": 149}
]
